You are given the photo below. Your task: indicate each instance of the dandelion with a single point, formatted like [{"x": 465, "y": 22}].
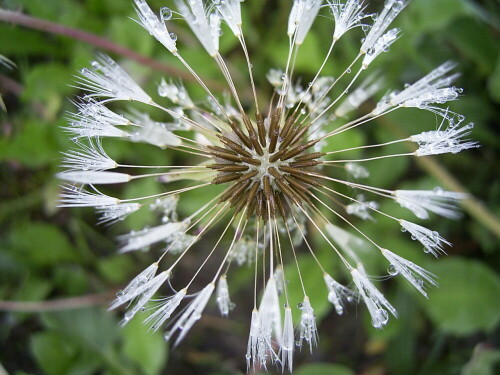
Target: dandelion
[{"x": 275, "y": 173}]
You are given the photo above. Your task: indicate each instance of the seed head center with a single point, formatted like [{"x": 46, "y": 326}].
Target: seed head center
[{"x": 267, "y": 165}]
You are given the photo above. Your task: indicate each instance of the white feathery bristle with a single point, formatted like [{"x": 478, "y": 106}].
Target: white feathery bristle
[
  {"x": 144, "y": 296},
  {"x": 416, "y": 275},
  {"x": 176, "y": 92},
  {"x": 95, "y": 120},
  {"x": 438, "y": 201},
  {"x": 99, "y": 112},
  {"x": 110, "y": 214},
  {"x": 301, "y": 18},
  {"x": 73, "y": 196},
  {"x": 149, "y": 236},
  {"x": 296, "y": 93},
  {"x": 362, "y": 209},
  {"x": 318, "y": 101},
  {"x": 288, "y": 341},
  {"x": 337, "y": 293},
  {"x": 381, "y": 45},
  {"x": 434, "y": 96},
  {"x": 107, "y": 79},
  {"x": 362, "y": 93},
  {"x": 243, "y": 251},
  {"x": 375, "y": 301},
  {"x": 348, "y": 242},
  {"x": 91, "y": 157},
  {"x": 432, "y": 241},
  {"x": 279, "y": 278},
  {"x": 425, "y": 91},
  {"x": 391, "y": 10},
  {"x": 156, "y": 134},
  {"x": 347, "y": 15},
  {"x": 307, "y": 325},
  {"x": 269, "y": 309},
  {"x": 253, "y": 339},
  {"x": 265, "y": 328},
  {"x": 205, "y": 27},
  {"x": 164, "y": 310},
  {"x": 181, "y": 243},
  {"x": 230, "y": 11},
  {"x": 135, "y": 287},
  {"x": 94, "y": 177},
  {"x": 450, "y": 140},
  {"x": 222, "y": 297},
  {"x": 166, "y": 205},
  {"x": 356, "y": 170},
  {"x": 191, "y": 314},
  {"x": 275, "y": 77},
  {"x": 156, "y": 27}
]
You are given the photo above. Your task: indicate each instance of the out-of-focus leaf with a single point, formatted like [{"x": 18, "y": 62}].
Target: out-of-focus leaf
[
  {"x": 483, "y": 362},
  {"x": 54, "y": 353},
  {"x": 92, "y": 328},
  {"x": 494, "y": 82},
  {"x": 466, "y": 300},
  {"x": 475, "y": 41},
  {"x": 147, "y": 349},
  {"x": 57, "y": 355},
  {"x": 116, "y": 268},
  {"x": 41, "y": 244},
  {"x": 431, "y": 15},
  {"x": 46, "y": 83},
  {"x": 34, "y": 146}
]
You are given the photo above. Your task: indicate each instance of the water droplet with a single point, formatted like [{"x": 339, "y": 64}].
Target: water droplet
[
  {"x": 392, "y": 270},
  {"x": 119, "y": 293},
  {"x": 173, "y": 36},
  {"x": 438, "y": 190},
  {"x": 382, "y": 316},
  {"x": 165, "y": 14},
  {"x": 300, "y": 305}
]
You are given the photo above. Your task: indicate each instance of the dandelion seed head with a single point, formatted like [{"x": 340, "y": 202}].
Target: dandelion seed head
[{"x": 277, "y": 179}]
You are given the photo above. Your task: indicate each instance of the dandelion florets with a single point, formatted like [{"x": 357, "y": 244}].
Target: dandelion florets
[{"x": 279, "y": 179}]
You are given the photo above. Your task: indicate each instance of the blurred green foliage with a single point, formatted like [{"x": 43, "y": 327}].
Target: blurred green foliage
[{"x": 48, "y": 253}]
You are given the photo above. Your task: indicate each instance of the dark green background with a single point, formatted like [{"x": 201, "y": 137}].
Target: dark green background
[{"x": 48, "y": 253}]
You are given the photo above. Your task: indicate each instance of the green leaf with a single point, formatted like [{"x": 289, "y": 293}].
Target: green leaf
[
  {"x": 149, "y": 350},
  {"x": 466, "y": 300},
  {"x": 431, "y": 15},
  {"x": 53, "y": 353},
  {"x": 91, "y": 328},
  {"x": 476, "y": 42},
  {"x": 41, "y": 244},
  {"x": 35, "y": 145},
  {"x": 323, "y": 369},
  {"x": 494, "y": 82},
  {"x": 46, "y": 81},
  {"x": 483, "y": 362},
  {"x": 116, "y": 268},
  {"x": 57, "y": 355}
]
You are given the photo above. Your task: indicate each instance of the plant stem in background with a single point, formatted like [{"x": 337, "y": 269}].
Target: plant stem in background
[{"x": 17, "y": 18}]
